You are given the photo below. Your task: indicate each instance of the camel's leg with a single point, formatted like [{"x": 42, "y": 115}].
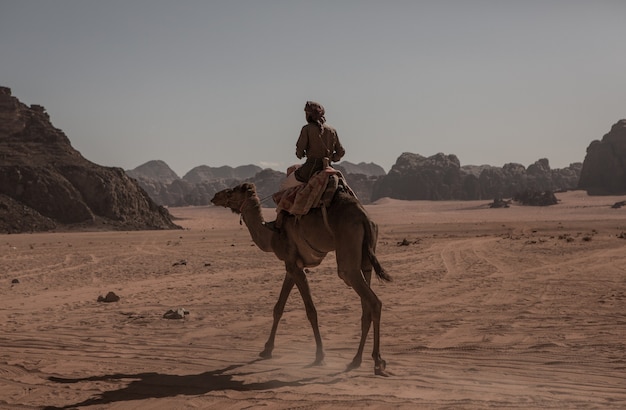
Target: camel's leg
[
  {"x": 278, "y": 313},
  {"x": 369, "y": 299},
  {"x": 366, "y": 320},
  {"x": 356, "y": 271},
  {"x": 371, "y": 310},
  {"x": 303, "y": 286}
]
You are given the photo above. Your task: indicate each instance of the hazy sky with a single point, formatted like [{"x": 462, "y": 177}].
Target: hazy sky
[{"x": 225, "y": 82}]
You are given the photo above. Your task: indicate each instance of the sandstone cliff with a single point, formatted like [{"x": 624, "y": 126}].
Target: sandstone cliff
[
  {"x": 45, "y": 183},
  {"x": 604, "y": 167},
  {"x": 441, "y": 177}
]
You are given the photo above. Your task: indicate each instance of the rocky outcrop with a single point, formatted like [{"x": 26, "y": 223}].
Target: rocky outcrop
[
  {"x": 201, "y": 183},
  {"x": 204, "y": 173},
  {"x": 155, "y": 170},
  {"x": 55, "y": 186},
  {"x": 564, "y": 179},
  {"x": 441, "y": 177},
  {"x": 535, "y": 198},
  {"x": 196, "y": 188},
  {"x": 15, "y": 217},
  {"x": 415, "y": 177},
  {"x": 604, "y": 168},
  {"x": 267, "y": 183},
  {"x": 513, "y": 178},
  {"x": 361, "y": 177},
  {"x": 362, "y": 168}
]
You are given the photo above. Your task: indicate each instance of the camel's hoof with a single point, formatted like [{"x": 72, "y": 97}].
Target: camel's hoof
[
  {"x": 383, "y": 373},
  {"x": 355, "y": 364},
  {"x": 318, "y": 362},
  {"x": 266, "y": 354},
  {"x": 379, "y": 369}
]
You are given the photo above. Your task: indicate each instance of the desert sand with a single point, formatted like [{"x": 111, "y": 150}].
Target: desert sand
[{"x": 523, "y": 307}]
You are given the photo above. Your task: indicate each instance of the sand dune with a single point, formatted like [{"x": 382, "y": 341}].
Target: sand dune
[{"x": 490, "y": 308}]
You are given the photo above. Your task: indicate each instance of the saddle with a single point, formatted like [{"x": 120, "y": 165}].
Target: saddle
[{"x": 318, "y": 192}]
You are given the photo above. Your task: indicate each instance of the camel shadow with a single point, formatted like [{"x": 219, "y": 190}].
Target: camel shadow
[{"x": 158, "y": 385}]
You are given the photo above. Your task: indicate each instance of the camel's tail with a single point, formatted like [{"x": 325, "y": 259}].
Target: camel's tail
[
  {"x": 380, "y": 272},
  {"x": 370, "y": 238}
]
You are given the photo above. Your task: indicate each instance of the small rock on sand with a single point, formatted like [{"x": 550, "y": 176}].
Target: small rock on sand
[
  {"x": 176, "y": 314},
  {"x": 110, "y": 297}
]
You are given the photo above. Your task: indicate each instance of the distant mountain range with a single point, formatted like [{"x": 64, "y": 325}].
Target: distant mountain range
[
  {"x": 159, "y": 170},
  {"x": 198, "y": 186},
  {"x": 412, "y": 177}
]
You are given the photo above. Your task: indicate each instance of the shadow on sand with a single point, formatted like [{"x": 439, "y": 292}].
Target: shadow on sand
[{"x": 157, "y": 385}]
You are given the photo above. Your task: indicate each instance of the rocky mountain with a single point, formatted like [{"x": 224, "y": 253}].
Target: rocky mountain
[
  {"x": 441, "y": 177},
  {"x": 604, "y": 168},
  {"x": 46, "y": 184},
  {"x": 514, "y": 178},
  {"x": 154, "y": 170},
  {"x": 205, "y": 173},
  {"x": 415, "y": 177},
  {"x": 199, "y": 185},
  {"x": 412, "y": 177},
  {"x": 362, "y": 168}
]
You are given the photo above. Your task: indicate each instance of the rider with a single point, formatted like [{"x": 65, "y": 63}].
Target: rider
[{"x": 317, "y": 141}]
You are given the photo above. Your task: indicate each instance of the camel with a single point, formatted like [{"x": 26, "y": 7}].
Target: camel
[{"x": 303, "y": 243}]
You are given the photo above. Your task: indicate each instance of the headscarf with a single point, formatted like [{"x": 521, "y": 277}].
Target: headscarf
[{"x": 315, "y": 112}]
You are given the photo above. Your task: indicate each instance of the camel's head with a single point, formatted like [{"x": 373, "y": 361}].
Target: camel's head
[{"x": 234, "y": 198}]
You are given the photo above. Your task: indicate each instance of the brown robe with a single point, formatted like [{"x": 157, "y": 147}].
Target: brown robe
[{"x": 317, "y": 144}]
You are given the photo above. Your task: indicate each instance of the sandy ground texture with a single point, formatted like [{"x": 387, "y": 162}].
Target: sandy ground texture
[{"x": 522, "y": 307}]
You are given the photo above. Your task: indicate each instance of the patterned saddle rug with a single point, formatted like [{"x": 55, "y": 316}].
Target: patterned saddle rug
[{"x": 319, "y": 191}]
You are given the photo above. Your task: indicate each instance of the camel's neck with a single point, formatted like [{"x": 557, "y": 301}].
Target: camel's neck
[{"x": 252, "y": 217}]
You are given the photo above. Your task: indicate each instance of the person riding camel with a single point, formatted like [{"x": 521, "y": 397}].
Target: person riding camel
[{"x": 317, "y": 141}]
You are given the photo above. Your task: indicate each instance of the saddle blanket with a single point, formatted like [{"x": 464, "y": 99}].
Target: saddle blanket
[{"x": 298, "y": 200}]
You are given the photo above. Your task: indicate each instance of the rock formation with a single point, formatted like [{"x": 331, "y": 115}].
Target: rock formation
[
  {"x": 441, "y": 177},
  {"x": 45, "y": 183},
  {"x": 604, "y": 168},
  {"x": 196, "y": 188},
  {"x": 267, "y": 182},
  {"x": 155, "y": 170},
  {"x": 514, "y": 178},
  {"x": 204, "y": 173},
  {"x": 415, "y": 177},
  {"x": 362, "y": 168},
  {"x": 199, "y": 185},
  {"x": 535, "y": 198}
]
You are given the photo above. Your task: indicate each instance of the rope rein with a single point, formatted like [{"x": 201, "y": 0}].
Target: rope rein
[{"x": 265, "y": 199}]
